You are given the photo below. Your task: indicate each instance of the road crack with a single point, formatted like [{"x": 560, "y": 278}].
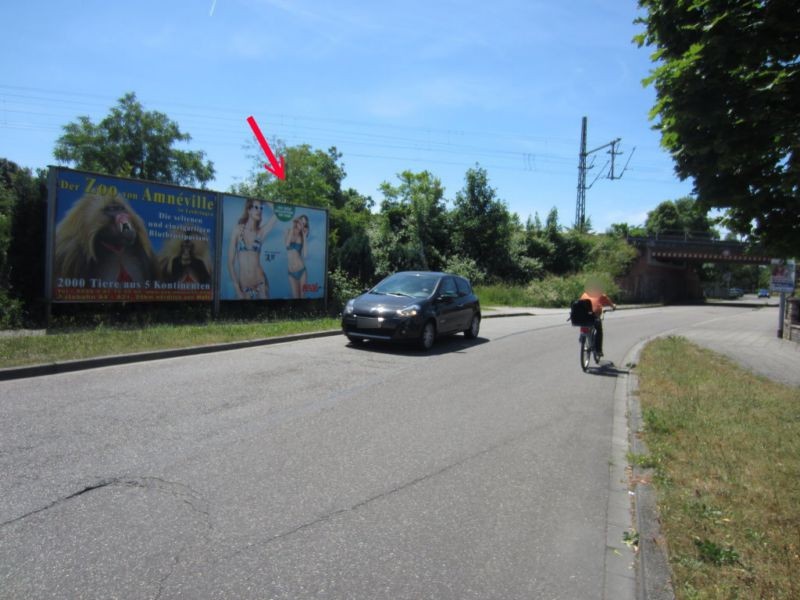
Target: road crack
[
  {"x": 176, "y": 489},
  {"x": 379, "y": 496}
]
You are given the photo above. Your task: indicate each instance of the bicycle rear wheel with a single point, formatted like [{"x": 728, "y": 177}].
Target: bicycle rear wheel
[{"x": 586, "y": 351}]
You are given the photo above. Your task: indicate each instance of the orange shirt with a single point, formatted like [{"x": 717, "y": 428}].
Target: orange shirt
[{"x": 598, "y": 302}]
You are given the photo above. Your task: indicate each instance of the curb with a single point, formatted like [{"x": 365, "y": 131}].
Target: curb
[
  {"x": 638, "y": 306},
  {"x": 81, "y": 364},
  {"x": 565, "y": 310},
  {"x": 121, "y": 359},
  {"x": 67, "y": 366},
  {"x": 619, "y": 559},
  {"x": 735, "y": 304},
  {"x": 653, "y": 574}
]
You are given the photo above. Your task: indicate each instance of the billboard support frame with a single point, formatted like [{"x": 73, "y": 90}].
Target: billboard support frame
[
  {"x": 50, "y": 244},
  {"x": 327, "y": 267},
  {"x": 216, "y": 291}
]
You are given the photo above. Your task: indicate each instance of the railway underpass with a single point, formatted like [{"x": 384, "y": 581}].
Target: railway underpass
[{"x": 667, "y": 269}]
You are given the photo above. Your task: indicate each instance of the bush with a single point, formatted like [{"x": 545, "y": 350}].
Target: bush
[
  {"x": 557, "y": 292},
  {"x": 610, "y": 254},
  {"x": 342, "y": 288},
  {"x": 11, "y": 312},
  {"x": 466, "y": 267}
]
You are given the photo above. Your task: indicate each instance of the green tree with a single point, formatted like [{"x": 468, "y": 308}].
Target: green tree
[
  {"x": 524, "y": 267},
  {"x": 416, "y": 215},
  {"x": 538, "y": 240},
  {"x": 609, "y": 254},
  {"x": 133, "y": 142},
  {"x": 7, "y": 203},
  {"x": 482, "y": 225},
  {"x": 727, "y": 81},
  {"x": 558, "y": 251},
  {"x": 23, "y": 202},
  {"x": 349, "y": 238},
  {"x": 624, "y": 230},
  {"x": 664, "y": 219},
  {"x": 684, "y": 216},
  {"x": 314, "y": 178},
  {"x": 620, "y": 230}
]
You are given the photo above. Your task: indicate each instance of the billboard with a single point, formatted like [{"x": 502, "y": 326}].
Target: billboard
[
  {"x": 272, "y": 250},
  {"x": 122, "y": 240},
  {"x": 783, "y": 276}
]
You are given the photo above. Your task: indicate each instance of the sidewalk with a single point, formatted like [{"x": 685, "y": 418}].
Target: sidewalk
[
  {"x": 490, "y": 312},
  {"x": 751, "y": 340},
  {"x": 515, "y": 311}
]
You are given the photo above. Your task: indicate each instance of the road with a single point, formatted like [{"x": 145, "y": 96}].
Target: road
[{"x": 318, "y": 470}]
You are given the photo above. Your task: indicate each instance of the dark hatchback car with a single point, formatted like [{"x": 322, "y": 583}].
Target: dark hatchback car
[{"x": 413, "y": 306}]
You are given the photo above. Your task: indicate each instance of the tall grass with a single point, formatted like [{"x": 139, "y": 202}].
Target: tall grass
[
  {"x": 561, "y": 291},
  {"x": 503, "y": 295},
  {"x": 550, "y": 292}
]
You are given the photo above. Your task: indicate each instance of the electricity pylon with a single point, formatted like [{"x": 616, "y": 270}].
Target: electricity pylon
[{"x": 583, "y": 168}]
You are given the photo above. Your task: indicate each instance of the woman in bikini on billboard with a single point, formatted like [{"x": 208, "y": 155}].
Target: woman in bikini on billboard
[
  {"x": 296, "y": 239},
  {"x": 244, "y": 252}
]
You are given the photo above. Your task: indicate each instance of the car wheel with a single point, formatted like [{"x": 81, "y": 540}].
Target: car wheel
[
  {"x": 356, "y": 341},
  {"x": 474, "y": 327},
  {"x": 428, "y": 336}
]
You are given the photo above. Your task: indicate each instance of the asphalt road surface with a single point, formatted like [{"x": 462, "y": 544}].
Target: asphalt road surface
[{"x": 318, "y": 470}]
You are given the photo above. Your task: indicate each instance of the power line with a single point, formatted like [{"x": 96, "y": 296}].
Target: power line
[
  {"x": 213, "y": 112},
  {"x": 287, "y": 124},
  {"x": 430, "y": 145}
]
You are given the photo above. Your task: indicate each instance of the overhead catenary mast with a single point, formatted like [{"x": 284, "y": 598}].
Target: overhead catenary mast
[{"x": 583, "y": 168}]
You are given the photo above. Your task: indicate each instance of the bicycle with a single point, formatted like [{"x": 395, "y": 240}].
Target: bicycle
[
  {"x": 582, "y": 316},
  {"x": 588, "y": 346}
]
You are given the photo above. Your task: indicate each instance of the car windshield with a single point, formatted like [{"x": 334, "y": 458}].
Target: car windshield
[{"x": 413, "y": 285}]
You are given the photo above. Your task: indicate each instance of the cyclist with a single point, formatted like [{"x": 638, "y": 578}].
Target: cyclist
[{"x": 594, "y": 293}]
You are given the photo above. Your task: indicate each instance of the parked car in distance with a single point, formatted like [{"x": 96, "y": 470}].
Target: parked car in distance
[
  {"x": 413, "y": 306},
  {"x": 735, "y": 293},
  {"x": 763, "y": 293}
]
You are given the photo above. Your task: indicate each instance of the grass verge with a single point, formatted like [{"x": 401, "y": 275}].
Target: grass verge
[
  {"x": 726, "y": 448},
  {"x": 104, "y": 341}
]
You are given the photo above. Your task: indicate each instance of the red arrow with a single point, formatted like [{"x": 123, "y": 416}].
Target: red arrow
[{"x": 278, "y": 167}]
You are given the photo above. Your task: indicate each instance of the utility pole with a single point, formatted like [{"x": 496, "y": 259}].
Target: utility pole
[
  {"x": 583, "y": 168},
  {"x": 580, "y": 205}
]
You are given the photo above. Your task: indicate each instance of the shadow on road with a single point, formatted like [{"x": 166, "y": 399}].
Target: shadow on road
[
  {"x": 607, "y": 369},
  {"x": 446, "y": 345}
]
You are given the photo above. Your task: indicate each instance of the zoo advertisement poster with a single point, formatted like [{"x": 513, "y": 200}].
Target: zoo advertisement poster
[
  {"x": 272, "y": 250},
  {"x": 124, "y": 240}
]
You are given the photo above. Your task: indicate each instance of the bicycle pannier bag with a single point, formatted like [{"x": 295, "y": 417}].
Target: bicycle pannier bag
[{"x": 580, "y": 313}]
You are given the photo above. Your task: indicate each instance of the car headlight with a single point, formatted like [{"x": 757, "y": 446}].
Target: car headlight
[
  {"x": 408, "y": 311},
  {"x": 349, "y": 307}
]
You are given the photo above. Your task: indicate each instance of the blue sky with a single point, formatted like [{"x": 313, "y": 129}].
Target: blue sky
[{"x": 437, "y": 85}]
